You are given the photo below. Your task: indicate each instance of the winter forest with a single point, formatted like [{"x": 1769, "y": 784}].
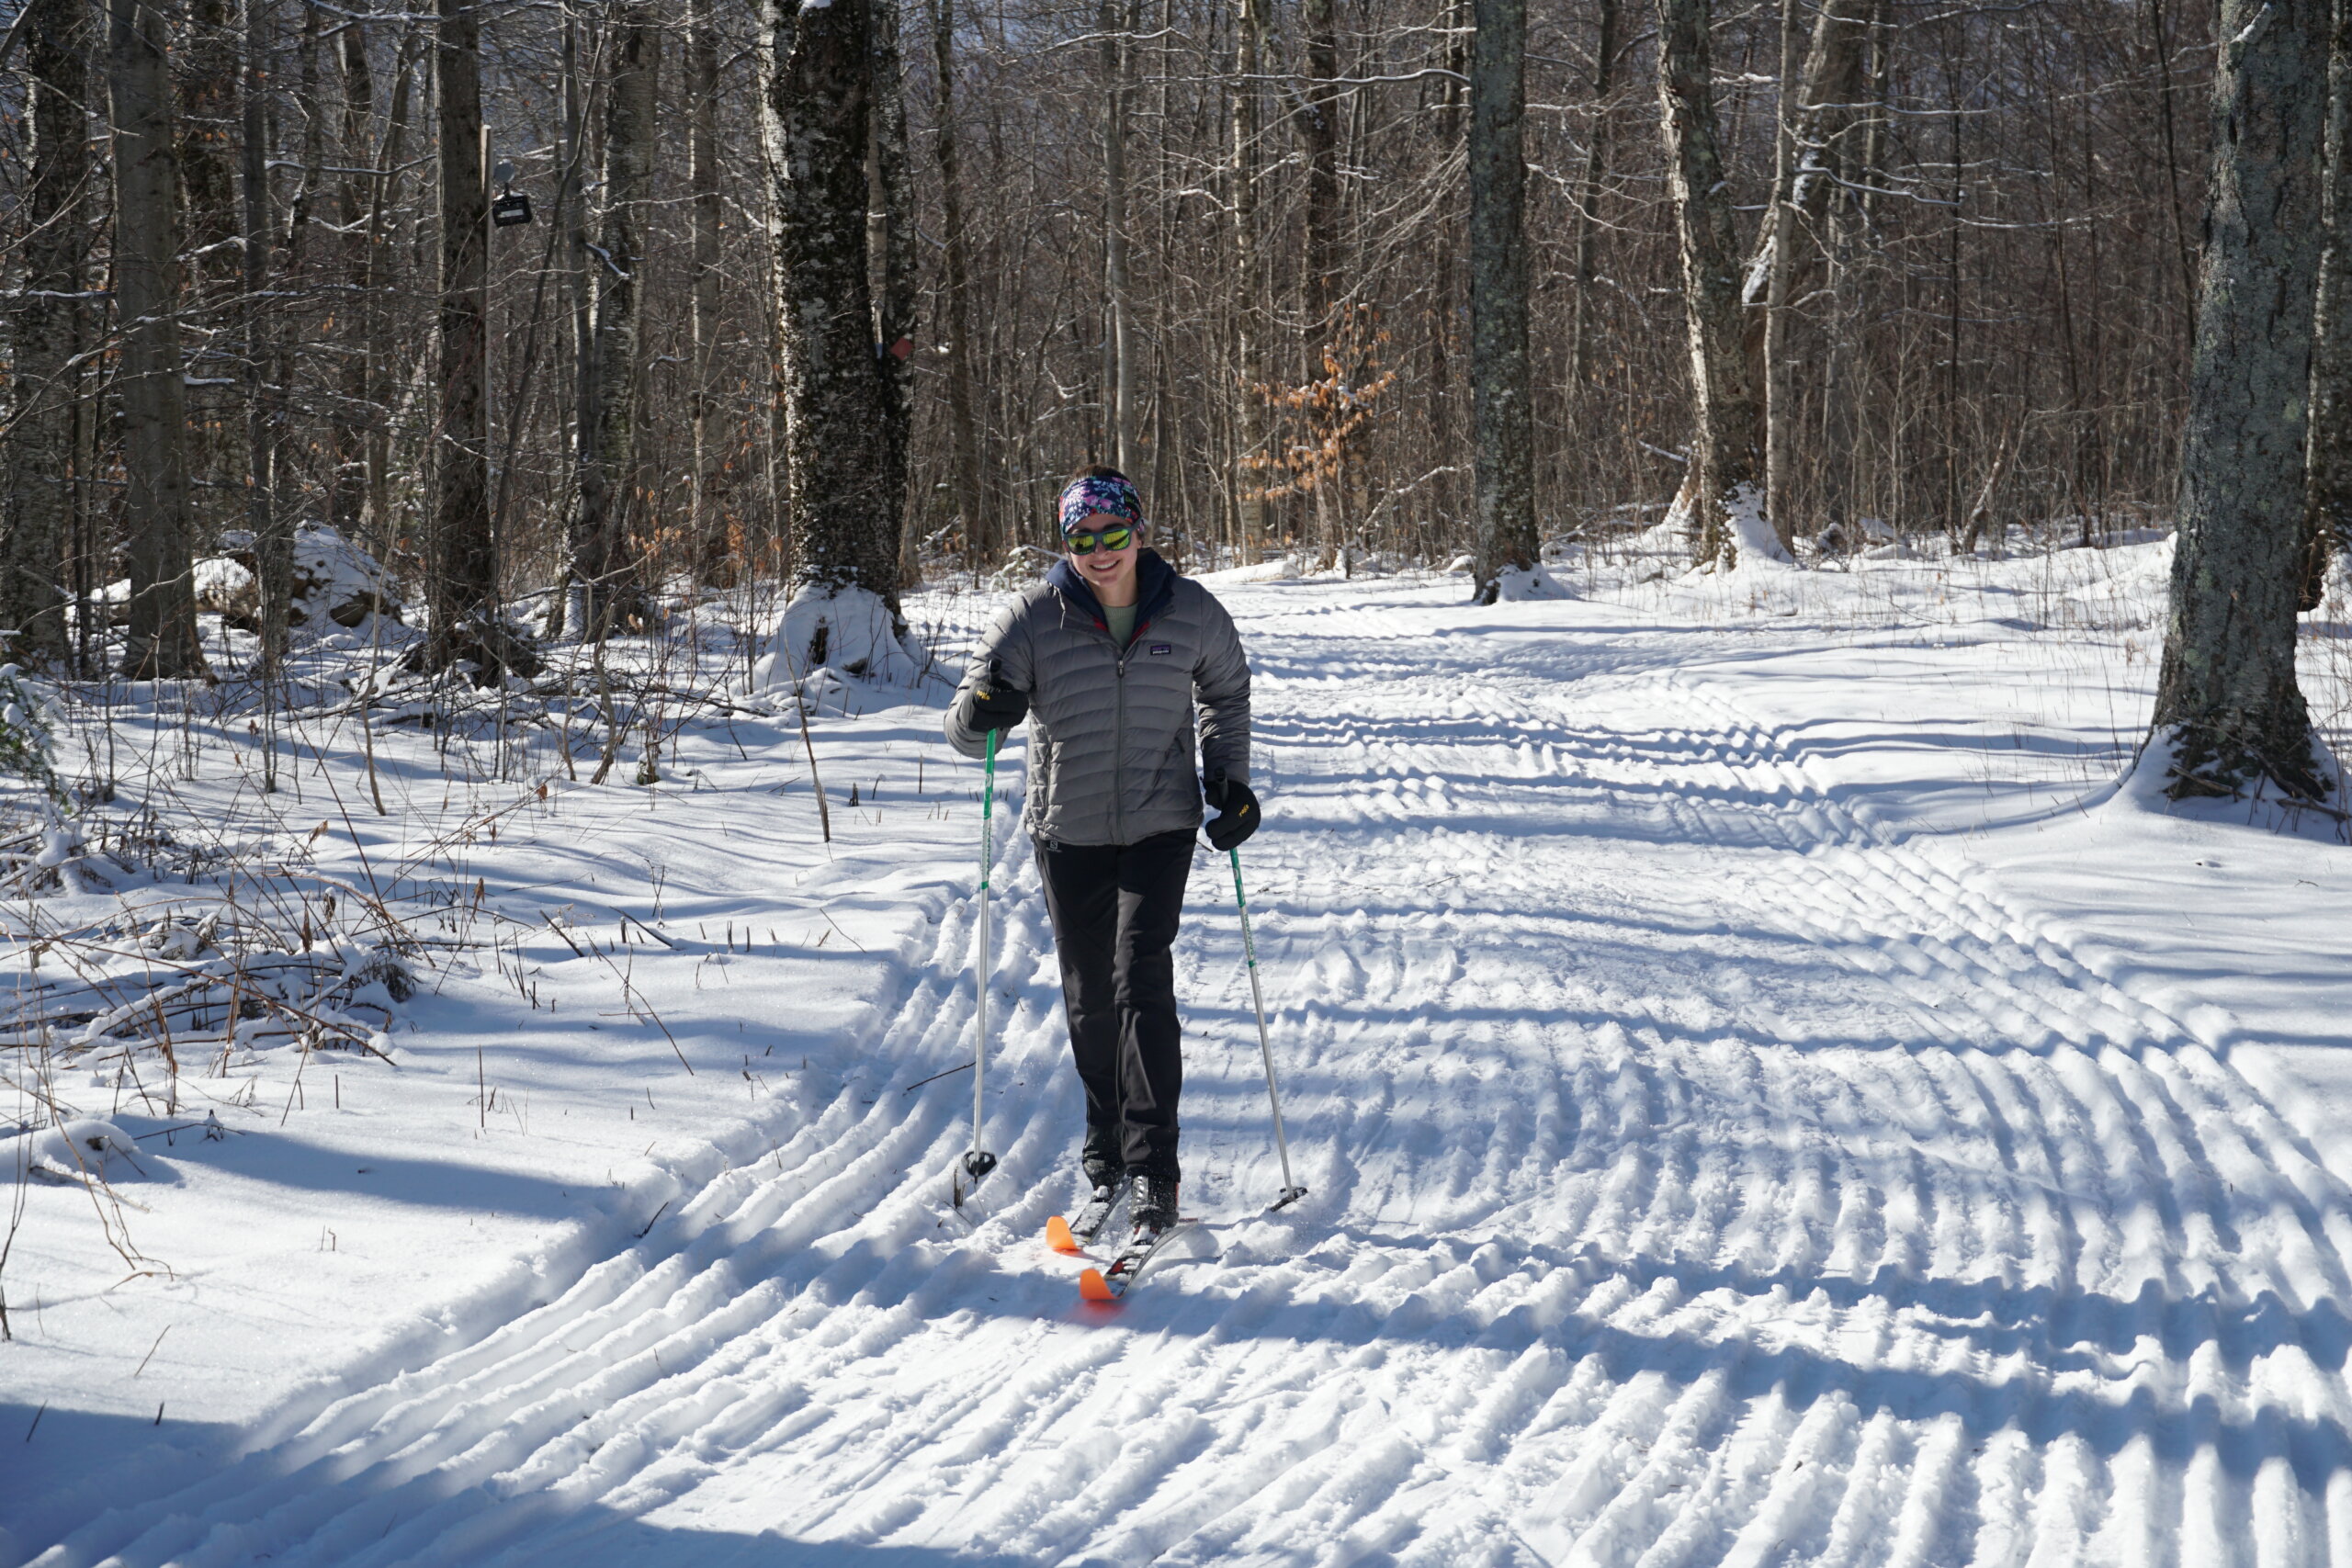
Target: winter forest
[{"x": 1793, "y": 1003}]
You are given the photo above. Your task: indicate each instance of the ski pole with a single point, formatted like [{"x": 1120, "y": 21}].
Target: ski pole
[
  {"x": 1292, "y": 1191},
  {"x": 977, "y": 1161}
]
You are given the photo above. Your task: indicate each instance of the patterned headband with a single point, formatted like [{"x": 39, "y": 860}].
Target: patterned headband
[{"x": 1115, "y": 497}]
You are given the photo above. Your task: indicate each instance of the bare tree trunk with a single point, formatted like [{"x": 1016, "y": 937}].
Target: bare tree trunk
[
  {"x": 1118, "y": 347},
  {"x": 609, "y": 492},
  {"x": 1503, "y": 420},
  {"x": 2227, "y": 701},
  {"x": 891, "y": 240},
  {"x": 461, "y": 565},
  {"x": 348, "y": 464},
  {"x": 818, "y": 94},
  {"x": 1727, "y": 456},
  {"x": 377, "y": 367},
  {"x": 1596, "y": 167},
  {"x": 969, "y": 487},
  {"x": 2328, "y": 477},
  {"x": 272, "y": 543},
  {"x": 162, "y": 643},
  {"x": 50, "y": 324},
  {"x": 1248, "y": 277},
  {"x": 569, "y": 604},
  {"x": 1319, "y": 136},
  {"x": 706, "y": 525},
  {"x": 1818, "y": 104},
  {"x": 206, "y": 129}
]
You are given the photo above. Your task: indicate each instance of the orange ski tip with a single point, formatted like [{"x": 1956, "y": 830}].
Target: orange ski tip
[
  {"x": 1058, "y": 1235},
  {"x": 1094, "y": 1288}
]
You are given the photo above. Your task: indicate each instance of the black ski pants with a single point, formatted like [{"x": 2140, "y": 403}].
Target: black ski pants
[{"x": 1114, "y": 908}]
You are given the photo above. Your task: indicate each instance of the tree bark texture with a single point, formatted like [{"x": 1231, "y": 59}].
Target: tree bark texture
[
  {"x": 162, "y": 643},
  {"x": 1248, "y": 277},
  {"x": 461, "y": 567},
  {"x": 968, "y": 484},
  {"x": 1815, "y": 118},
  {"x": 2226, "y": 696},
  {"x": 1319, "y": 131},
  {"x": 1727, "y": 455},
  {"x": 1596, "y": 166},
  {"x": 272, "y": 533},
  {"x": 707, "y": 521},
  {"x": 611, "y": 494},
  {"x": 205, "y": 126},
  {"x": 347, "y": 477},
  {"x": 49, "y": 323},
  {"x": 374, "y": 372},
  {"x": 818, "y": 95},
  {"x": 1502, "y": 433},
  {"x": 2328, "y": 469},
  {"x": 1118, "y": 344},
  {"x": 891, "y": 239}
]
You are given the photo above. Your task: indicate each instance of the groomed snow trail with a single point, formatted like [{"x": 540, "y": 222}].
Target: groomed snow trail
[{"x": 1698, "y": 1178}]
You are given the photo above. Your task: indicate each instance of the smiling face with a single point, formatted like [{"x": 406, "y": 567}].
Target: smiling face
[{"x": 1109, "y": 573}]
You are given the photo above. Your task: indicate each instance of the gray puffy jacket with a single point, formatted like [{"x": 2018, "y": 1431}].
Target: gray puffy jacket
[{"x": 1110, "y": 731}]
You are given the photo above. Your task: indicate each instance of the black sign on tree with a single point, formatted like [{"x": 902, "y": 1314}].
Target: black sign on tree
[{"x": 510, "y": 207}]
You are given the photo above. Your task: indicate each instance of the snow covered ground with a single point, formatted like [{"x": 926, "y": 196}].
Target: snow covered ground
[{"x": 1766, "y": 1097}]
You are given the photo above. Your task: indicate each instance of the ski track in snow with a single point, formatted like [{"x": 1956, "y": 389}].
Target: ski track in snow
[{"x": 1698, "y": 1174}]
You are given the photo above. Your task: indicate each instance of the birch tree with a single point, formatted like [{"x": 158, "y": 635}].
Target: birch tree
[{"x": 1721, "y": 498}]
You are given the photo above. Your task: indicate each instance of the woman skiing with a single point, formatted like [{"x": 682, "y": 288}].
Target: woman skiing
[{"x": 1108, "y": 657}]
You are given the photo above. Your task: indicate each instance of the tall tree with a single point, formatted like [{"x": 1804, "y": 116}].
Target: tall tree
[
  {"x": 816, "y": 98},
  {"x": 1503, "y": 430},
  {"x": 1250, "y": 330},
  {"x": 273, "y": 542},
  {"x": 1596, "y": 166},
  {"x": 49, "y": 322},
  {"x": 609, "y": 489},
  {"x": 1816, "y": 111},
  {"x": 461, "y": 565},
  {"x": 1112, "y": 21},
  {"x": 2229, "y": 712},
  {"x": 891, "y": 267},
  {"x": 704, "y": 521},
  {"x": 1721, "y": 498},
  {"x": 1319, "y": 132},
  {"x": 973, "y": 493},
  {"x": 163, "y": 642},
  {"x": 347, "y": 462},
  {"x": 2328, "y": 478}
]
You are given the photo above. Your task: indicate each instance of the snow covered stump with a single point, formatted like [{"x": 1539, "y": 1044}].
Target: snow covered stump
[{"x": 849, "y": 629}]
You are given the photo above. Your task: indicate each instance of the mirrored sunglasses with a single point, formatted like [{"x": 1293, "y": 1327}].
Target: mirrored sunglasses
[{"x": 1083, "y": 544}]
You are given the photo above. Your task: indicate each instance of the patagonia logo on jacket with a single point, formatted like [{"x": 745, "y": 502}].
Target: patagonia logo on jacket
[{"x": 1159, "y": 648}]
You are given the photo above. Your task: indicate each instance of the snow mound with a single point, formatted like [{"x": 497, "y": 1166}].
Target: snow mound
[
  {"x": 1515, "y": 585},
  {"x": 2142, "y": 788},
  {"x": 87, "y": 1147},
  {"x": 850, "y": 630},
  {"x": 1751, "y": 534},
  {"x": 334, "y": 580}
]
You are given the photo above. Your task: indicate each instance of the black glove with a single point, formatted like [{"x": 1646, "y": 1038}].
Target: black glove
[
  {"x": 991, "y": 705},
  {"x": 1237, "y": 812}
]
